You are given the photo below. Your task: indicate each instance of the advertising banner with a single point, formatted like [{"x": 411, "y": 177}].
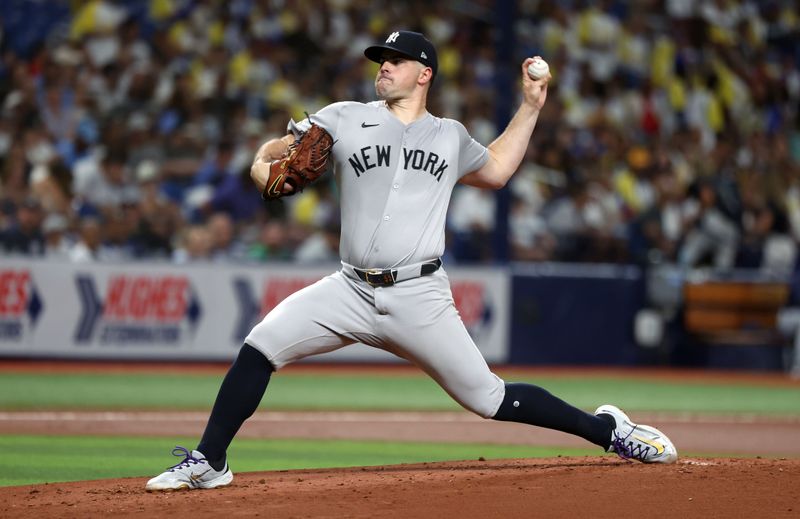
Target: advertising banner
[{"x": 193, "y": 312}]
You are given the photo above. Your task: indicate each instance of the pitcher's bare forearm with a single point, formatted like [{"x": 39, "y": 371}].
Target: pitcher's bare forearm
[{"x": 508, "y": 150}]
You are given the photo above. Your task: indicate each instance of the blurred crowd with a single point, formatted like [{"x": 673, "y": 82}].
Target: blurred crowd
[{"x": 671, "y": 131}]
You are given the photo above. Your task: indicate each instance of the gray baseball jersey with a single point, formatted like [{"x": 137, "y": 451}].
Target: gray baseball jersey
[{"x": 395, "y": 182}]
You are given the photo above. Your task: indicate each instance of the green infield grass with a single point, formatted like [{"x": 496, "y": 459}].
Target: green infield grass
[
  {"x": 48, "y": 459},
  {"x": 39, "y": 459},
  {"x": 396, "y": 392}
]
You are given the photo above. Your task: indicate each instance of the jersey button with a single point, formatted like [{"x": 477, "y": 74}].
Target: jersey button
[
  {"x": 396, "y": 186},
  {"x": 387, "y": 218}
]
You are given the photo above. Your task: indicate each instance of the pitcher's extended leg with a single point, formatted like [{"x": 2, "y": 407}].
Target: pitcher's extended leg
[{"x": 526, "y": 403}]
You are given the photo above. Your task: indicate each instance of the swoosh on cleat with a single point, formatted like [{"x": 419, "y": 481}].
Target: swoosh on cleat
[
  {"x": 657, "y": 446},
  {"x": 196, "y": 477}
]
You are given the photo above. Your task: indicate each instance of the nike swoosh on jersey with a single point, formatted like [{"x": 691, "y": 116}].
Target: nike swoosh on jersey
[
  {"x": 657, "y": 446},
  {"x": 365, "y": 125}
]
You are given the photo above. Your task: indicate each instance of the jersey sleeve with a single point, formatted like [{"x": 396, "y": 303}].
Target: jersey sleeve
[
  {"x": 328, "y": 118},
  {"x": 473, "y": 155}
]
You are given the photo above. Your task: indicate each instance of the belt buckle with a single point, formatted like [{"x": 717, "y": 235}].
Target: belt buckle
[{"x": 385, "y": 277}]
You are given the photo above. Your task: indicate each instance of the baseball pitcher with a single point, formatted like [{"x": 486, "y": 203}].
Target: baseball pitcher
[{"x": 396, "y": 166}]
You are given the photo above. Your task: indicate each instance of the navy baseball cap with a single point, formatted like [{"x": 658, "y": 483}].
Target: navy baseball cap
[{"x": 411, "y": 44}]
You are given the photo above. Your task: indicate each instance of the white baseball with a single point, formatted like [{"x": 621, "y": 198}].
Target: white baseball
[{"x": 538, "y": 69}]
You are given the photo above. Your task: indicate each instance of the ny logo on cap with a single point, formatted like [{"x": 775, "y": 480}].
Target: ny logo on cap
[
  {"x": 392, "y": 37},
  {"x": 423, "y": 55}
]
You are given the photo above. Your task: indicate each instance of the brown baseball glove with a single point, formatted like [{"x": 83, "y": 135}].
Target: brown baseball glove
[{"x": 305, "y": 162}]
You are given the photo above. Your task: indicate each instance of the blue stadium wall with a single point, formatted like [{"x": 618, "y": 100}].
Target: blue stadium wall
[{"x": 566, "y": 314}]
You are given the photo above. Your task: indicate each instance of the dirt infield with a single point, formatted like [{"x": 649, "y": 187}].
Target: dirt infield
[
  {"x": 766, "y": 484},
  {"x": 564, "y": 487}
]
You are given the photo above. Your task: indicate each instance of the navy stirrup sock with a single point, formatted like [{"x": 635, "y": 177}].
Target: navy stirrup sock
[
  {"x": 239, "y": 395},
  {"x": 526, "y": 403}
]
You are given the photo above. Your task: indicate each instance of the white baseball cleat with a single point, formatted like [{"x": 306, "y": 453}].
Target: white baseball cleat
[
  {"x": 638, "y": 442},
  {"x": 191, "y": 473}
]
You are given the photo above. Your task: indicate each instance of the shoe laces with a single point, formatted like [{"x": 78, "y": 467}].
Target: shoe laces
[
  {"x": 188, "y": 459},
  {"x": 629, "y": 449}
]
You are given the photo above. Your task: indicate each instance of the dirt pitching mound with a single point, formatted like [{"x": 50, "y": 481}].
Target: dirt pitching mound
[{"x": 555, "y": 487}]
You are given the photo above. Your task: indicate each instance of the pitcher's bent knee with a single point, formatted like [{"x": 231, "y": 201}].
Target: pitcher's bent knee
[{"x": 485, "y": 401}]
